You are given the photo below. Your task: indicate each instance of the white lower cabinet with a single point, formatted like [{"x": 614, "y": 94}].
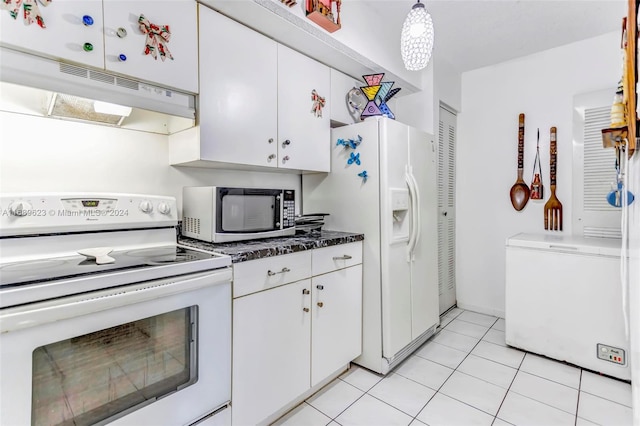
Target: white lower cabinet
[
  {"x": 291, "y": 336},
  {"x": 336, "y": 324},
  {"x": 271, "y": 350}
]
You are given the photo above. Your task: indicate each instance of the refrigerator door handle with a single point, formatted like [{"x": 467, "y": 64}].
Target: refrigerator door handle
[
  {"x": 416, "y": 210},
  {"x": 412, "y": 195}
]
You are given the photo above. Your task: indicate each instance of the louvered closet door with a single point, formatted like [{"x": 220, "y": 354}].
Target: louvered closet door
[
  {"x": 446, "y": 209},
  {"x": 597, "y": 218}
]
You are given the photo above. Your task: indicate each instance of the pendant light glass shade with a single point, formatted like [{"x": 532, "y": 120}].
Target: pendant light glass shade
[{"x": 416, "y": 42}]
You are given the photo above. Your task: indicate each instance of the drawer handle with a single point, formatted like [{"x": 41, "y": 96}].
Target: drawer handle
[
  {"x": 563, "y": 247},
  {"x": 305, "y": 309},
  {"x": 305, "y": 291},
  {"x": 271, "y": 273},
  {"x": 320, "y": 287},
  {"x": 345, "y": 257}
]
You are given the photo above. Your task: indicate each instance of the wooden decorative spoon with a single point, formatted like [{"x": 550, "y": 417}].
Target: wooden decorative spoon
[{"x": 520, "y": 190}]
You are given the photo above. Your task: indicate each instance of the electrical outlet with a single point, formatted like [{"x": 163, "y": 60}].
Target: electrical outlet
[{"x": 611, "y": 354}]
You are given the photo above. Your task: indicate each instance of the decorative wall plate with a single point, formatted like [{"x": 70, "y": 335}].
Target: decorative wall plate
[{"x": 355, "y": 102}]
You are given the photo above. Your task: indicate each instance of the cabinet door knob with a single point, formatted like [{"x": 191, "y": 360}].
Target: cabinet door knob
[
  {"x": 87, "y": 47},
  {"x": 121, "y": 32},
  {"x": 345, "y": 257},
  {"x": 305, "y": 291},
  {"x": 285, "y": 158},
  {"x": 87, "y": 20},
  {"x": 270, "y": 140},
  {"x": 320, "y": 304},
  {"x": 271, "y": 157},
  {"x": 305, "y": 309},
  {"x": 285, "y": 143},
  {"x": 122, "y": 57},
  {"x": 320, "y": 287}
]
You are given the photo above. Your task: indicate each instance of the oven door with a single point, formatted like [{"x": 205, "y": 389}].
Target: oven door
[{"x": 146, "y": 354}]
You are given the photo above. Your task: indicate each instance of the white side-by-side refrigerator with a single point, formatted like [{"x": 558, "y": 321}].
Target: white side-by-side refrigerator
[{"x": 395, "y": 207}]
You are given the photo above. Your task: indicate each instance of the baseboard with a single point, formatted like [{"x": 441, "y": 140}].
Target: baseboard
[
  {"x": 301, "y": 398},
  {"x": 482, "y": 310}
]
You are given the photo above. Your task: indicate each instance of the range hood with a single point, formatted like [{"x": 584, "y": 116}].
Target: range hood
[{"x": 37, "y": 72}]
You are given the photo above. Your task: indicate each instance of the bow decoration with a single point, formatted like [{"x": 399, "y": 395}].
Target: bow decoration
[
  {"x": 318, "y": 103},
  {"x": 157, "y": 39},
  {"x": 30, "y": 10}
]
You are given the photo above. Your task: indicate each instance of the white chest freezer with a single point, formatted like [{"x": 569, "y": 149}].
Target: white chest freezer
[{"x": 564, "y": 300}]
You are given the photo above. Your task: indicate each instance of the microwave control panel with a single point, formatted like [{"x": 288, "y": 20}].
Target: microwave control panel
[{"x": 288, "y": 209}]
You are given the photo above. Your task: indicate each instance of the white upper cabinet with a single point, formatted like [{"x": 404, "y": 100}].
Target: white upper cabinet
[
  {"x": 256, "y": 103},
  {"x": 106, "y": 34},
  {"x": 162, "y": 47},
  {"x": 63, "y": 29},
  {"x": 238, "y": 93},
  {"x": 303, "y": 135}
]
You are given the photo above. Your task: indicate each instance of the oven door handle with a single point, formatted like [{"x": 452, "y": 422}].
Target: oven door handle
[{"x": 32, "y": 315}]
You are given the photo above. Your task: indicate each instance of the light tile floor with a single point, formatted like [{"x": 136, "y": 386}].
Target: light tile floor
[{"x": 466, "y": 375}]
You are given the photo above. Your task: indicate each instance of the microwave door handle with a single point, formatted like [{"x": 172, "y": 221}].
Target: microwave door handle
[{"x": 277, "y": 224}]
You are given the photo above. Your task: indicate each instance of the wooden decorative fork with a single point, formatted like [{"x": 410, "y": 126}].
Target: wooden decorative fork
[{"x": 553, "y": 207}]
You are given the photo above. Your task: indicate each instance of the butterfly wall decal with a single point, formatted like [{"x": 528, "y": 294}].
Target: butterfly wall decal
[
  {"x": 353, "y": 144},
  {"x": 363, "y": 175},
  {"x": 349, "y": 143},
  {"x": 354, "y": 158}
]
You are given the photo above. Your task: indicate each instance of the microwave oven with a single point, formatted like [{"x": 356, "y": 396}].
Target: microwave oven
[{"x": 222, "y": 214}]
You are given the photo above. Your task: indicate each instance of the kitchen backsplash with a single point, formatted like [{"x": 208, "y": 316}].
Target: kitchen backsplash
[{"x": 43, "y": 154}]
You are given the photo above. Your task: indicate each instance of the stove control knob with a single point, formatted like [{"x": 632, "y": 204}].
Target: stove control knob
[
  {"x": 19, "y": 208},
  {"x": 164, "y": 208},
  {"x": 146, "y": 206}
]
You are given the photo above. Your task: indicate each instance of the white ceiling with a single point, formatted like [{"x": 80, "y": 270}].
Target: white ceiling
[{"x": 475, "y": 33}]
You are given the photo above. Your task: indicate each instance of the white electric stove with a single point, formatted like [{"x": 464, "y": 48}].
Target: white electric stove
[{"x": 104, "y": 318}]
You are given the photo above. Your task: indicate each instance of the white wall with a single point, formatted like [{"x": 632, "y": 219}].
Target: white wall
[
  {"x": 44, "y": 154},
  {"x": 416, "y": 109},
  {"x": 368, "y": 34},
  {"x": 441, "y": 82},
  {"x": 541, "y": 86},
  {"x": 447, "y": 85}
]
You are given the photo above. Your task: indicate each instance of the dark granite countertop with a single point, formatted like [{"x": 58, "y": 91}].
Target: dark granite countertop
[{"x": 242, "y": 251}]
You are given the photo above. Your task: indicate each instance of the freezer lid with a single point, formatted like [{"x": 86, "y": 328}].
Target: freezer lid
[{"x": 567, "y": 243}]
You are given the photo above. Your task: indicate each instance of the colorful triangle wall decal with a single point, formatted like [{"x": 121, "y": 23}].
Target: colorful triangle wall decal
[
  {"x": 384, "y": 89},
  {"x": 370, "y": 91},
  {"x": 378, "y": 94},
  {"x": 373, "y": 79},
  {"x": 370, "y": 109},
  {"x": 384, "y": 109}
]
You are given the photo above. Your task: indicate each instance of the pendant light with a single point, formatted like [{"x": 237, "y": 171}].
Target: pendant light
[{"x": 416, "y": 42}]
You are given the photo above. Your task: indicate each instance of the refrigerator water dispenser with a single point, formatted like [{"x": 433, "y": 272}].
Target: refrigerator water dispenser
[{"x": 399, "y": 214}]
